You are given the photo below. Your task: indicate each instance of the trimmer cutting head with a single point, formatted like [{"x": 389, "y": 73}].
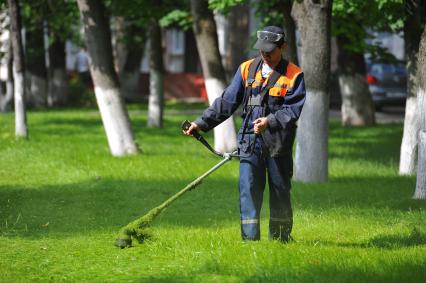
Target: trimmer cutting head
[{"x": 123, "y": 243}]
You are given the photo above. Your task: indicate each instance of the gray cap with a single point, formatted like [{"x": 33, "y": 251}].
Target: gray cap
[{"x": 269, "y": 43}]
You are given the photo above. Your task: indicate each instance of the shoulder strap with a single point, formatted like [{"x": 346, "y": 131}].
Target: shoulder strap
[
  {"x": 252, "y": 70},
  {"x": 274, "y": 76},
  {"x": 254, "y": 66}
]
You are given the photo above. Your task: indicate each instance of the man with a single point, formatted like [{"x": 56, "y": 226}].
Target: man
[
  {"x": 272, "y": 92},
  {"x": 82, "y": 67}
]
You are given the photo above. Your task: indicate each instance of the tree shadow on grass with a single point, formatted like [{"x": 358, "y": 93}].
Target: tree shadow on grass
[
  {"x": 414, "y": 238},
  {"x": 359, "y": 192},
  {"x": 101, "y": 204},
  {"x": 108, "y": 204},
  {"x": 311, "y": 271},
  {"x": 338, "y": 272}
]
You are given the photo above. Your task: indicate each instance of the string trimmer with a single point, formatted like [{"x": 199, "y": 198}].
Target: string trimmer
[{"x": 139, "y": 228}]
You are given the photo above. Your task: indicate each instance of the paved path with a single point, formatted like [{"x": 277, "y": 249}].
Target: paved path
[{"x": 388, "y": 115}]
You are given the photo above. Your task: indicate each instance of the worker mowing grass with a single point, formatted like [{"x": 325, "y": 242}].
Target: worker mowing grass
[{"x": 272, "y": 93}]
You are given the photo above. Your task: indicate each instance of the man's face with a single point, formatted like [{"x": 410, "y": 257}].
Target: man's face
[{"x": 272, "y": 58}]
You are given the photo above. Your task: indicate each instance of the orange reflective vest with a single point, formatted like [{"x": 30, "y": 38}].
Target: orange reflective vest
[{"x": 281, "y": 86}]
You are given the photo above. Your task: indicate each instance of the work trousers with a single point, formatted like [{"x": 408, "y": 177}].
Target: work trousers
[{"x": 253, "y": 171}]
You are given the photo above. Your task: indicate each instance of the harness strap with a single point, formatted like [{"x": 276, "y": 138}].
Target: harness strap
[
  {"x": 273, "y": 78},
  {"x": 254, "y": 66}
]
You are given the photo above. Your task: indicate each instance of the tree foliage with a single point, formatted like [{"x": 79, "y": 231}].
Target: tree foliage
[
  {"x": 271, "y": 12},
  {"x": 356, "y": 20},
  {"x": 224, "y": 6},
  {"x": 180, "y": 18},
  {"x": 137, "y": 14},
  {"x": 181, "y": 15},
  {"x": 61, "y": 17},
  {"x": 142, "y": 12}
]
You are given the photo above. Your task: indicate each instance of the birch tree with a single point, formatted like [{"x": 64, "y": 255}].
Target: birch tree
[
  {"x": 61, "y": 18},
  {"x": 36, "y": 64},
  {"x": 238, "y": 23},
  {"x": 6, "y": 99},
  {"x": 414, "y": 13},
  {"x": 156, "y": 77},
  {"x": 357, "y": 103},
  {"x": 290, "y": 28},
  {"x": 119, "y": 50},
  {"x": 351, "y": 21},
  {"x": 130, "y": 39},
  {"x": 21, "y": 130},
  {"x": 204, "y": 27},
  {"x": 420, "y": 192},
  {"x": 139, "y": 21},
  {"x": 57, "y": 83},
  {"x": 107, "y": 90},
  {"x": 129, "y": 77},
  {"x": 313, "y": 21}
]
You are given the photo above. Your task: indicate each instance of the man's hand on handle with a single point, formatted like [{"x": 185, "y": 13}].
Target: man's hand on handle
[
  {"x": 193, "y": 127},
  {"x": 259, "y": 125}
]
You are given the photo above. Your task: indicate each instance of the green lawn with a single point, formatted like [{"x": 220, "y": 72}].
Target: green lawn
[{"x": 63, "y": 198}]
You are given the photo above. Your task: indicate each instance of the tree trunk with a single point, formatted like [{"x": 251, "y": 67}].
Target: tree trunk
[
  {"x": 21, "y": 130},
  {"x": 238, "y": 20},
  {"x": 120, "y": 47},
  {"x": 420, "y": 192},
  {"x": 357, "y": 103},
  {"x": 58, "y": 85},
  {"x": 156, "y": 77},
  {"x": 129, "y": 77},
  {"x": 7, "y": 99},
  {"x": 107, "y": 90},
  {"x": 36, "y": 66},
  {"x": 192, "y": 63},
  {"x": 290, "y": 32},
  {"x": 313, "y": 21},
  {"x": 412, "y": 34},
  {"x": 204, "y": 27}
]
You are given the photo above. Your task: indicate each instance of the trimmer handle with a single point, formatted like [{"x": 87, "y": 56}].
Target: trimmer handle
[{"x": 185, "y": 126}]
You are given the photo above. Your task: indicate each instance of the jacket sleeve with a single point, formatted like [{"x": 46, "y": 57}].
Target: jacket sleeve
[
  {"x": 289, "y": 112},
  {"x": 224, "y": 106}
]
